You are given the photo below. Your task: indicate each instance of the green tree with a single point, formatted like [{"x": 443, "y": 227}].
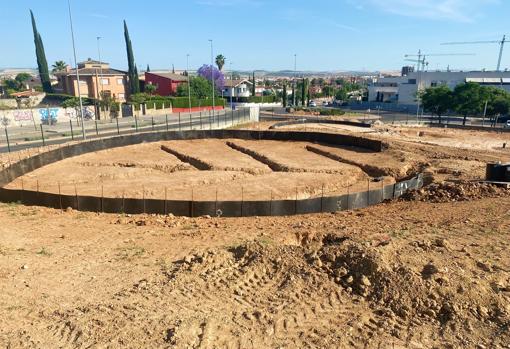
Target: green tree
[
  {"x": 328, "y": 91},
  {"x": 134, "y": 81},
  {"x": 468, "y": 99},
  {"x": 150, "y": 89},
  {"x": 200, "y": 88},
  {"x": 42, "y": 63},
  {"x": 58, "y": 66},
  {"x": 341, "y": 94},
  {"x": 220, "y": 61},
  {"x": 303, "y": 92},
  {"x": 138, "y": 98},
  {"x": 253, "y": 86},
  {"x": 284, "y": 95},
  {"x": 437, "y": 100},
  {"x": 148, "y": 69}
]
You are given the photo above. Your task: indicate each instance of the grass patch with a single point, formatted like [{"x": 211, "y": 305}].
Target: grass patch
[
  {"x": 44, "y": 252},
  {"x": 130, "y": 252}
]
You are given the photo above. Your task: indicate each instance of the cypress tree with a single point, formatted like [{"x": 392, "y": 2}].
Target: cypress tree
[
  {"x": 134, "y": 83},
  {"x": 253, "y": 90},
  {"x": 293, "y": 92},
  {"x": 148, "y": 68},
  {"x": 303, "y": 92},
  {"x": 284, "y": 95},
  {"x": 42, "y": 63}
]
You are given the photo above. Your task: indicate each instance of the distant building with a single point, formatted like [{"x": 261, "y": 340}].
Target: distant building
[
  {"x": 237, "y": 88},
  {"x": 403, "y": 89},
  {"x": 407, "y": 70},
  {"x": 96, "y": 78},
  {"x": 166, "y": 83}
]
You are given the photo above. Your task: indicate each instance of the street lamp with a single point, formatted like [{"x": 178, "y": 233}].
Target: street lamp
[
  {"x": 84, "y": 136},
  {"x": 212, "y": 75},
  {"x": 100, "y": 63},
  {"x": 233, "y": 87},
  {"x": 189, "y": 85},
  {"x": 294, "y": 82}
]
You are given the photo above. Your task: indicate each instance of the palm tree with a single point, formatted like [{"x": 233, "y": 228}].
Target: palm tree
[
  {"x": 59, "y": 66},
  {"x": 220, "y": 61}
]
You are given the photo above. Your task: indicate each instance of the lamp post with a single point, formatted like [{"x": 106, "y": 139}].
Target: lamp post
[
  {"x": 100, "y": 63},
  {"x": 233, "y": 87},
  {"x": 189, "y": 85},
  {"x": 84, "y": 136},
  {"x": 294, "y": 81},
  {"x": 212, "y": 75}
]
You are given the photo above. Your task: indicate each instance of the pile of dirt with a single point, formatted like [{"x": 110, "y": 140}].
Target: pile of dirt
[{"x": 461, "y": 191}]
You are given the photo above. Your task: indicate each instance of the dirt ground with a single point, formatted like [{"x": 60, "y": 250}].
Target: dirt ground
[
  {"x": 202, "y": 170},
  {"x": 431, "y": 270},
  {"x": 399, "y": 275}
]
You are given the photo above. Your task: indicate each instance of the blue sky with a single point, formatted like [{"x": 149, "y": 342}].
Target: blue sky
[{"x": 260, "y": 34}]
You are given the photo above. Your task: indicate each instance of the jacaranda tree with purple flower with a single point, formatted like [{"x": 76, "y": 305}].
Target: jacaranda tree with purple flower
[{"x": 210, "y": 72}]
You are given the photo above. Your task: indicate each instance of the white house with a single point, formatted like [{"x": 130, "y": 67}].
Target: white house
[
  {"x": 402, "y": 90},
  {"x": 237, "y": 88}
]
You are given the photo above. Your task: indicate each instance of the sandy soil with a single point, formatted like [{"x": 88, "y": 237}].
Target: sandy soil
[
  {"x": 202, "y": 170},
  {"x": 399, "y": 275}
]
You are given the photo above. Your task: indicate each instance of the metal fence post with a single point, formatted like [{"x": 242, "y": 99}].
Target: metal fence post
[
  {"x": 152, "y": 122},
  {"x": 117, "y": 121},
  {"x": 97, "y": 131},
  {"x": 42, "y": 134},
  {"x": 7, "y": 139},
  {"x": 72, "y": 133},
  {"x": 190, "y": 122},
  {"x": 136, "y": 124},
  {"x": 200, "y": 119},
  {"x": 179, "y": 121},
  {"x": 166, "y": 121}
]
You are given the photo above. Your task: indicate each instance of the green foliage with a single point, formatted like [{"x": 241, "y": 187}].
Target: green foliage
[
  {"x": 284, "y": 95},
  {"x": 220, "y": 61},
  {"x": 73, "y": 102},
  {"x": 175, "y": 102},
  {"x": 468, "y": 99},
  {"x": 150, "y": 88},
  {"x": 134, "y": 81},
  {"x": 58, "y": 66},
  {"x": 341, "y": 94},
  {"x": 331, "y": 112},
  {"x": 18, "y": 83},
  {"x": 254, "y": 85},
  {"x": 42, "y": 63},
  {"x": 437, "y": 100},
  {"x": 200, "y": 88}
]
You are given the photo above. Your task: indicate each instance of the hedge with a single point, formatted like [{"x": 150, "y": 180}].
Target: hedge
[{"x": 181, "y": 102}]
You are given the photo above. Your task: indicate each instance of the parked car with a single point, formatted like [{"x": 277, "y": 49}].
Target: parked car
[
  {"x": 507, "y": 125},
  {"x": 325, "y": 103},
  {"x": 312, "y": 104}
]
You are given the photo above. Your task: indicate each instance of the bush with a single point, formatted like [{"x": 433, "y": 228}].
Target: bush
[{"x": 331, "y": 112}]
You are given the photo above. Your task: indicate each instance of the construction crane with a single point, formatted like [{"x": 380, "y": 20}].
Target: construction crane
[
  {"x": 420, "y": 62},
  {"x": 500, "y": 42},
  {"x": 423, "y": 56}
]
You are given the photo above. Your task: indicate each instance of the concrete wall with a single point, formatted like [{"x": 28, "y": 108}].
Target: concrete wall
[{"x": 27, "y": 117}]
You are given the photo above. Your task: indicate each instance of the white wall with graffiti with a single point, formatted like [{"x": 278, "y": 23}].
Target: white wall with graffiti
[{"x": 29, "y": 117}]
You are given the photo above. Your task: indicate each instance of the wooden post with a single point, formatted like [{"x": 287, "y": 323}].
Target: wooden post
[{"x": 60, "y": 197}]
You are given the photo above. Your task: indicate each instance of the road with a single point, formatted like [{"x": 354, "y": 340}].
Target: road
[{"x": 43, "y": 135}]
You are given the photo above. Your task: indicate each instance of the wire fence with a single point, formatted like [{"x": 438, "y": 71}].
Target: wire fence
[{"x": 18, "y": 138}]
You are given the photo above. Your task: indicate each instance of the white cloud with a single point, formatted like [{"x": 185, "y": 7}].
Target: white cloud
[{"x": 450, "y": 10}]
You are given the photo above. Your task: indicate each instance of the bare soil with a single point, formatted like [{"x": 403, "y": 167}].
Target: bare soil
[{"x": 431, "y": 270}]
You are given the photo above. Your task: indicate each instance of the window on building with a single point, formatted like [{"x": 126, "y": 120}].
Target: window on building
[
  {"x": 120, "y": 81},
  {"x": 122, "y": 96},
  {"x": 105, "y": 81}
]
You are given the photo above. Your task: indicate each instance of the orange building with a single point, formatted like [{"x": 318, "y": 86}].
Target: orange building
[{"x": 96, "y": 79}]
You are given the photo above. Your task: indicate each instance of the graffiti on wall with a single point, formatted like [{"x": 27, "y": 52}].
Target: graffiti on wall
[{"x": 22, "y": 117}]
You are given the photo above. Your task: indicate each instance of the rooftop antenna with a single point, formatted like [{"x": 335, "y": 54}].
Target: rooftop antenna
[{"x": 501, "y": 43}]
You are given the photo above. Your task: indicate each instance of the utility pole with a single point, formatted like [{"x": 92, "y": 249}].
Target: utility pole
[
  {"x": 100, "y": 63},
  {"x": 189, "y": 84},
  {"x": 212, "y": 75},
  {"x": 294, "y": 80},
  {"x": 84, "y": 136},
  {"x": 233, "y": 87}
]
